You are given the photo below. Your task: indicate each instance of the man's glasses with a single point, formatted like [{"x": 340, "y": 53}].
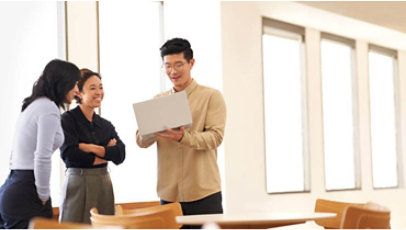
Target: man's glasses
[{"x": 177, "y": 66}]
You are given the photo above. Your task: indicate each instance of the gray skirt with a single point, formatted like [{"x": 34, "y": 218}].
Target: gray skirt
[{"x": 84, "y": 189}]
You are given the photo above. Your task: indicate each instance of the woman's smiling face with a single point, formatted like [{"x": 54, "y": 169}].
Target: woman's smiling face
[{"x": 92, "y": 92}]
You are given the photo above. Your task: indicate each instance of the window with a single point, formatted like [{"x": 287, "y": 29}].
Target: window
[
  {"x": 337, "y": 68},
  {"x": 283, "y": 68},
  {"x": 130, "y": 65},
  {"x": 382, "y": 73},
  {"x": 32, "y": 35},
  {"x": 207, "y": 69}
]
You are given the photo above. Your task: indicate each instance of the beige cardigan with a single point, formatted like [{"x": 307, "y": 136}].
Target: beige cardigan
[{"x": 188, "y": 170}]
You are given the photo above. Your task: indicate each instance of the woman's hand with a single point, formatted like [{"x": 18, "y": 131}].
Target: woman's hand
[
  {"x": 85, "y": 147},
  {"x": 99, "y": 161},
  {"x": 112, "y": 142},
  {"x": 91, "y": 148},
  {"x": 44, "y": 202}
]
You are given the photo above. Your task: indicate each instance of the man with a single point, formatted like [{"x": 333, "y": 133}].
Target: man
[{"x": 187, "y": 158}]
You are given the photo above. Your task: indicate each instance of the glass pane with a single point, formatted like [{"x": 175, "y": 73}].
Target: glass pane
[
  {"x": 383, "y": 132},
  {"x": 130, "y": 66},
  {"x": 29, "y": 40},
  {"x": 336, "y": 69},
  {"x": 282, "y": 63}
]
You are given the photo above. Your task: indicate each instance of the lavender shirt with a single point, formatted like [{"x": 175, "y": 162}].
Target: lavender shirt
[{"x": 38, "y": 134}]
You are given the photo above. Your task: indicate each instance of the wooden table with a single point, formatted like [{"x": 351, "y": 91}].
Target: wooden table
[{"x": 253, "y": 220}]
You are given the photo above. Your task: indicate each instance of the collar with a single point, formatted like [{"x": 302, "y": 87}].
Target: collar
[
  {"x": 188, "y": 89},
  {"x": 82, "y": 118}
]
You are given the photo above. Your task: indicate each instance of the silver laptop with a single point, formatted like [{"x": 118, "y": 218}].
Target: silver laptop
[{"x": 155, "y": 115}]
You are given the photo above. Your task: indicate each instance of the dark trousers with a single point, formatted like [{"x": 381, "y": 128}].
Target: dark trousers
[
  {"x": 211, "y": 204},
  {"x": 19, "y": 201}
]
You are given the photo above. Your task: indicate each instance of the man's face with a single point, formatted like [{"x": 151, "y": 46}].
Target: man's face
[{"x": 178, "y": 70}]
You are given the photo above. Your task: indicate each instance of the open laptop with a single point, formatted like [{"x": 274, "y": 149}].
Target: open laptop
[{"x": 155, "y": 115}]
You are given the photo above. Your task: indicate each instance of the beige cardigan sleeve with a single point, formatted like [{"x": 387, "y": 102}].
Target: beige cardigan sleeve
[
  {"x": 144, "y": 143},
  {"x": 213, "y": 133}
]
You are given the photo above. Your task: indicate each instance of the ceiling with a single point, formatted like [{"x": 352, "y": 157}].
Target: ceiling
[{"x": 389, "y": 14}]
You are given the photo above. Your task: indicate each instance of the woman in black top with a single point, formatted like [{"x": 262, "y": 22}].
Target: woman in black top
[{"x": 90, "y": 142}]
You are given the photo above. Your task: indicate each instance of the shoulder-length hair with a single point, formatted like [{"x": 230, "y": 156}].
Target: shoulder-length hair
[{"x": 57, "y": 79}]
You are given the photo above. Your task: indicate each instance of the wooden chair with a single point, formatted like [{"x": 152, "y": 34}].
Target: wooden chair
[
  {"x": 55, "y": 213},
  {"x": 139, "y": 204},
  {"x": 174, "y": 207},
  {"x": 349, "y": 215},
  {"x": 334, "y": 207},
  {"x": 144, "y": 204},
  {"x": 372, "y": 216},
  {"x": 45, "y": 223},
  {"x": 157, "y": 218}
]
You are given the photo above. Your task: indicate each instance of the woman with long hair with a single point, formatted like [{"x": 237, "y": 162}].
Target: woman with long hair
[
  {"x": 26, "y": 192},
  {"x": 90, "y": 142}
]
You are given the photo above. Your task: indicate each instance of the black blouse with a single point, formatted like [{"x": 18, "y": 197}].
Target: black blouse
[{"x": 78, "y": 129}]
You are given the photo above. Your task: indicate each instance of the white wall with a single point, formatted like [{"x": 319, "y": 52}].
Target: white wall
[
  {"x": 82, "y": 33},
  {"x": 30, "y": 37},
  {"x": 242, "y": 80}
]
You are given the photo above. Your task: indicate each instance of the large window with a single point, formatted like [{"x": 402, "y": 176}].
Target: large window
[
  {"x": 337, "y": 68},
  {"x": 32, "y": 34},
  {"x": 382, "y": 74},
  {"x": 130, "y": 37},
  {"x": 130, "y": 64},
  {"x": 283, "y": 68}
]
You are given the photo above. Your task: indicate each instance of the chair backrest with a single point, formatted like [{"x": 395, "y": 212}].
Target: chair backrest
[
  {"x": 175, "y": 208},
  {"x": 337, "y": 207},
  {"x": 372, "y": 216},
  {"x": 55, "y": 210},
  {"x": 55, "y": 213},
  {"x": 158, "y": 218},
  {"x": 139, "y": 204},
  {"x": 45, "y": 223}
]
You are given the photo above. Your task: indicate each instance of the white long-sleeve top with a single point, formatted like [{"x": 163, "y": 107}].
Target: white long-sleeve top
[{"x": 38, "y": 134}]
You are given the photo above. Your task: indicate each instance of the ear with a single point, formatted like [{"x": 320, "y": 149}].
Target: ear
[{"x": 192, "y": 62}]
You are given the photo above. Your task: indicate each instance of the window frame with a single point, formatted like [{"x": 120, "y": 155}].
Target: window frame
[
  {"x": 398, "y": 137},
  {"x": 289, "y": 31},
  {"x": 355, "y": 117}
]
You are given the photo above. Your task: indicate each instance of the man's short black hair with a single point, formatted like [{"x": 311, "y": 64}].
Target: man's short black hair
[{"x": 175, "y": 46}]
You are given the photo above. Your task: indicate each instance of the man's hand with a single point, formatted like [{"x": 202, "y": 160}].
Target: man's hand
[{"x": 171, "y": 134}]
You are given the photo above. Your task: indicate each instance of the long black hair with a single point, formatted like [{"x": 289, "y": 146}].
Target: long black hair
[{"x": 57, "y": 79}]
